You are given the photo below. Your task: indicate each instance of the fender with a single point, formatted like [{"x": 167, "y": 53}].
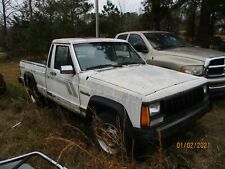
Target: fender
[{"x": 119, "y": 108}]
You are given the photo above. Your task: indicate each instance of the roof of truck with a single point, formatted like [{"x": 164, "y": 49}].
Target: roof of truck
[{"x": 86, "y": 40}]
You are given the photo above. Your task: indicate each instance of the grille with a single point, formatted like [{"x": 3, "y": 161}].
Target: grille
[
  {"x": 181, "y": 102},
  {"x": 216, "y": 67}
]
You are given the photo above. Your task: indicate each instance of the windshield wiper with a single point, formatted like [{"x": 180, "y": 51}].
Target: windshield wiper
[
  {"x": 111, "y": 65},
  {"x": 129, "y": 63},
  {"x": 101, "y": 66}
]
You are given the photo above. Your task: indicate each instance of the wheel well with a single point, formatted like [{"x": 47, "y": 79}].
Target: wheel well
[
  {"x": 97, "y": 104},
  {"x": 29, "y": 79}
]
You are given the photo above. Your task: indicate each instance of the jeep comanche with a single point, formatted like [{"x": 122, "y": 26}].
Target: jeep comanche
[
  {"x": 107, "y": 79},
  {"x": 169, "y": 51}
]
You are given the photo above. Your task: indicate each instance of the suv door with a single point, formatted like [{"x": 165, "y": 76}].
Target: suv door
[{"x": 63, "y": 88}]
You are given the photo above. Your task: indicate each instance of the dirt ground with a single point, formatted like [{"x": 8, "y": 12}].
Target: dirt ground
[{"x": 24, "y": 127}]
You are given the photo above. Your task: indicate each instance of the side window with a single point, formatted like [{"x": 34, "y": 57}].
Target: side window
[
  {"x": 136, "y": 39},
  {"x": 62, "y": 57},
  {"x": 124, "y": 37},
  {"x": 50, "y": 56}
]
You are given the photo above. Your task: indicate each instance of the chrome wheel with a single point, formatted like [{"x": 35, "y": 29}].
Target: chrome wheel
[{"x": 108, "y": 138}]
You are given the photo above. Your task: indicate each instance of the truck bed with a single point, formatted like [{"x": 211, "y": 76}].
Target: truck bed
[{"x": 38, "y": 71}]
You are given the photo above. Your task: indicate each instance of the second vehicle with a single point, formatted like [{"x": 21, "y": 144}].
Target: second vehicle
[{"x": 169, "y": 51}]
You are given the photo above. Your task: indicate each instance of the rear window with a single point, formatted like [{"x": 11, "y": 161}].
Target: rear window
[{"x": 123, "y": 37}]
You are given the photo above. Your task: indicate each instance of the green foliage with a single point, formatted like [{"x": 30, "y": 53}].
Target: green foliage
[
  {"x": 110, "y": 20},
  {"x": 131, "y": 22},
  {"x": 52, "y": 19},
  {"x": 110, "y": 9},
  {"x": 36, "y": 23}
]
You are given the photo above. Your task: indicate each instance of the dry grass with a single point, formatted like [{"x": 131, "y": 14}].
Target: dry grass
[{"x": 24, "y": 128}]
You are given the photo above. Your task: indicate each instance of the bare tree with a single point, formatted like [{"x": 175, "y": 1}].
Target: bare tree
[
  {"x": 30, "y": 9},
  {"x": 4, "y": 4}
]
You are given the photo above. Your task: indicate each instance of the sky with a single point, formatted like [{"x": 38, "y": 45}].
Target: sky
[{"x": 126, "y": 5}]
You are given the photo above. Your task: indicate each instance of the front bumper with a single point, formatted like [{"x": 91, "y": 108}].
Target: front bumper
[
  {"x": 217, "y": 89},
  {"x": 181, "y": 123},
  {"x": 216, "y": 86}
]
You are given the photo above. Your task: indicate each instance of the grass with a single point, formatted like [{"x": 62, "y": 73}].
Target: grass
[{"x": 24, "y": 127}]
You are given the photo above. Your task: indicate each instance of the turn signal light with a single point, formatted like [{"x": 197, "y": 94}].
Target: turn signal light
[{"x": 145, "y": 116}]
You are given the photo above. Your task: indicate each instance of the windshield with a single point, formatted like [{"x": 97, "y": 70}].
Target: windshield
[
  {"x": 165, "y": 40},
  {"x": 105, "y": 54}
]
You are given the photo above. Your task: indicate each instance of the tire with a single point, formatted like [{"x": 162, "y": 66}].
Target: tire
[
  {"x": 34, "y": 94},
  {"x": 109, "y": 134}
]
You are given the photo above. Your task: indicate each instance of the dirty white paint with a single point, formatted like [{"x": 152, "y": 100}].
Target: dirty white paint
[{"x": 129, "y": 85}]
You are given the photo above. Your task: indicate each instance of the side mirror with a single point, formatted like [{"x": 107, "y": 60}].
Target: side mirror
[
  {"x": 140, "y": 48},
  {"x": 68, "y": 69}
]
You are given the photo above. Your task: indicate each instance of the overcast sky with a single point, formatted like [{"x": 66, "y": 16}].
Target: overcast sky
[{"x": 126, "y": 5}]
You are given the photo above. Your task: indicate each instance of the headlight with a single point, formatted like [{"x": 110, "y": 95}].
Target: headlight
[
  {"x": 154, "y": 108},
  {"x": 148, "y": 113},
  {"x": 194, "y": 70}
]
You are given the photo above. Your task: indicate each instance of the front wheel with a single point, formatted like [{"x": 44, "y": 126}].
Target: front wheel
[{"x": 109, "y": 135}]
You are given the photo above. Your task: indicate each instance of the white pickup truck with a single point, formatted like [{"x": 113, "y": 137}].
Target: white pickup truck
[{"x": 109, "y": 77}]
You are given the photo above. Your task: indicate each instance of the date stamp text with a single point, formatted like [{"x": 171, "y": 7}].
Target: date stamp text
[{"x": 193, "y": 145}]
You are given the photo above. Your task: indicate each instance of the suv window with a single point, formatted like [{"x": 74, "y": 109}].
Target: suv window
[
  {"x": 62, "y": 57},
  {"x": 136, "y": 39},
  {"x": 124, "y": 37}
]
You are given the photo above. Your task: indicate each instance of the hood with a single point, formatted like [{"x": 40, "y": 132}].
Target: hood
[
  {"x": 196, "y": 53},
  {"x": 143, "y": 79}
]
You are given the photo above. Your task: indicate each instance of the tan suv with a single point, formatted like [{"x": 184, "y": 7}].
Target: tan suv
[{"x": 167, "y": 50}]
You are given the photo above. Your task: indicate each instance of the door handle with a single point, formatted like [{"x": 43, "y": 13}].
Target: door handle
[{"x": 53, "y": 73}]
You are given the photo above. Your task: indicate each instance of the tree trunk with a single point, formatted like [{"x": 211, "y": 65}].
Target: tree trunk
[
  {"x": 31, "y": 9},
  {"x": 212, "y": 24},
  {"x": 4, "y": 23},
  {"x": 204, "y": 24},
  {"x": 156, "y": 14},
  {"x": 191, "y": 19}
]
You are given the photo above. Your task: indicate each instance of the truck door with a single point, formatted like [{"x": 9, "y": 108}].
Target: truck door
[{"x": 62, "y": 88}]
